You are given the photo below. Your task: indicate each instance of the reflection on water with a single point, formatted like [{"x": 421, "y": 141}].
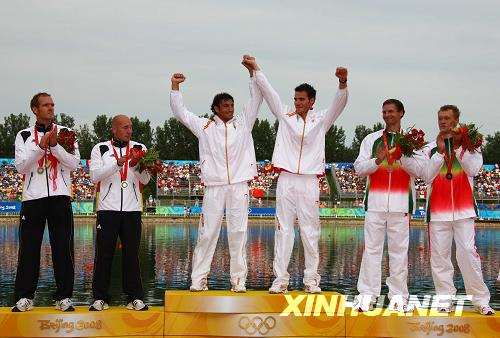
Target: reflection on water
[{"x": 166, "y": 251}]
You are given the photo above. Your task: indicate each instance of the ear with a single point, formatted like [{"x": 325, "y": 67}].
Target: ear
[
  {"x": 312, "y": 101},
  {"x": 216, "y": 108},
  {"x": 34, "y": 110}
]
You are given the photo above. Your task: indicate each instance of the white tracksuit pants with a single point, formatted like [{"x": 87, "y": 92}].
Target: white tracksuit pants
[
  {"x": 469, "y": 262},
  {"x": 396, "y": 224},
  {"x": 297, "y": 197},
  {"x": 234, "y": 198}
]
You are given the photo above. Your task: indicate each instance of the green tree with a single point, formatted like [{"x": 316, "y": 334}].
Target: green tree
[
  {"x": 335, "y": 148},
  {"x": 8, "y": 130},
  {"x": 102, "y": 128},
  {"x": 176, "y": 142},
  {"x": 491, "y": 150},
  {"x": 86, "y": 141},
  {"x": 378, "y": 126},
  {"x": 65, "y": 120},
  {"x": 142, "y": 132},
  {"x": 360, "y": 133},
  {"x": 264, "y": 137}
]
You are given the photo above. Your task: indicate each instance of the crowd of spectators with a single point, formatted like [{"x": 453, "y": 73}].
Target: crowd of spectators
[{"x": 184, "y": 179}]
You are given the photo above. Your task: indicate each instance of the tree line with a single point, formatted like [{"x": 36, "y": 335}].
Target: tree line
[{"x": 174, "y": 141}]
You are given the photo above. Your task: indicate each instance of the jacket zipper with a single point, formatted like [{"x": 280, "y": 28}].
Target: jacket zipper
[
  {"x": 109, "y": 189},
  {"x": 135, "y": 193},
  {"x": 390, "y": 179},
  {"x": 227, "y": 158},
  {"x": 62, "y": 176},
  {"x": 451, "y": 184},
  {"x": 121, "y": 189},
  {"x": 301, "y": 145},
  {"x": 47, "y": 175},
  {"x": 29, "y": 182}
]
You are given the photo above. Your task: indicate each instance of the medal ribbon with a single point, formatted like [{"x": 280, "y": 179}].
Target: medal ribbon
[
  {"x": 51, "y": 161},
  {"x": 390, "y": 160},
  {"x": 124, "y": 170},
  {"x": 449, "y": 160}
]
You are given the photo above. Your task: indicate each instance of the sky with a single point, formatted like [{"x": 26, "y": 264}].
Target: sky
[{"x": 117, "y": 56}]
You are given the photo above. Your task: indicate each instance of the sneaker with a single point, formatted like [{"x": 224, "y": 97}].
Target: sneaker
[
  {"x": 401, "y": 307},
  {"x": 65, "y": 305},
  {"x": 311, "y": 288},
  {"x": 239, "y": 288},
  {"x": 364, "y": 303},
  {"x": 99, "y": 305},
  {"x": 485, "y": 310},
  {"x": 22, "y": 305},
  {"x": 446, "y": 308},
  {"x": 278, "y": 288},
  {"x": 137, "y": 305},
  {"x": 201, "y": 286}
]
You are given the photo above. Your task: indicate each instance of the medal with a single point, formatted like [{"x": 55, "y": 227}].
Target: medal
[
  {"x": 40, "y": 170},
  {"x": 449, "y": 163},
  {"x": 124, "y": 170},
  {"x": 390, "y": 160}
]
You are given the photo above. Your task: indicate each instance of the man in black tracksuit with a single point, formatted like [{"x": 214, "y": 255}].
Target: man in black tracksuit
[
  {"x": 119, "y": 208},
  {"x": 46, "y": 168}
]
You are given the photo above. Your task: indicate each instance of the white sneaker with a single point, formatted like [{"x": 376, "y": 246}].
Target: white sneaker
[
  {"x": 99, "y": 305},
  {"x": 364, "y": 303},
  {"x": 65, "y": 305},
  {"x": 137, "y": 305},
  {"x": 22, "y": 305},
  {"x": 485, "y": 310},
  {"x": 278, "y": 288},
  {"x": 201, "y": 286},
  {"x": 239, "y": 288},
  {"x": 401, "y": 307},
  {"x": 311, "y": 288}
]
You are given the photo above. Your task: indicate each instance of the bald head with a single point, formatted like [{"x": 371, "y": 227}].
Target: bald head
[{"x": 121, "y": 126}]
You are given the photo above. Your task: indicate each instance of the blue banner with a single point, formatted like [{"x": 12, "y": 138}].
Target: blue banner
[{"x": 10, "y": 207}]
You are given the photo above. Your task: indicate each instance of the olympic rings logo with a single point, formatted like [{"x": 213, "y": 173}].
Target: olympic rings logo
[{"x": 257, "y": 324}]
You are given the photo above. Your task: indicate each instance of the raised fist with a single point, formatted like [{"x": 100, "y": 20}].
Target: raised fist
[
  {"x": 341, "y": 73},
  {"x": 178, "y": 78},
  {"x": 249, "y": 62}
]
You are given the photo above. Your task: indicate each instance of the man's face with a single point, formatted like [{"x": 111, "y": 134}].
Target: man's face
[
  {"x": 391, "y": 115},
  {"x": 45, "y": 109},
  {"x": 302, "y": 102},
  {"x": 225, "y": 110},
  {"x": 122, "y": 129},
  {"x": 447, "y": 120}
]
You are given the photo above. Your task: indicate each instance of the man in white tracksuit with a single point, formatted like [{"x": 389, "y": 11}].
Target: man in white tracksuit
[
  {"x": 451, "y": 211},
  {"x": 389, "y": 202},
  {"x": 227, "y": 160},
  {"x": 46, "y": 168},
  {"x": 300, "y": 154},
  {"x": 119, "y": 214}
]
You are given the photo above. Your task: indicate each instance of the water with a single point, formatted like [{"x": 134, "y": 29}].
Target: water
[{"x": 166, "y": 251}]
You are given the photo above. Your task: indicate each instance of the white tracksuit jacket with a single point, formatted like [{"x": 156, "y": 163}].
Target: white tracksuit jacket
[
  {"x": 227, "y": 152},
  {"x": 105, "y": 173},
  {"x": 300, "y": 145},
  {"x": 27, "y": 154}
]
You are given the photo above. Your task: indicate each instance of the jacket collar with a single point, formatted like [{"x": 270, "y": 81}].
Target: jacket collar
[
  {"x": 42, "y": 129},
  {"x": 119, "y": 144},
  {"x": 218, "y": 120}
]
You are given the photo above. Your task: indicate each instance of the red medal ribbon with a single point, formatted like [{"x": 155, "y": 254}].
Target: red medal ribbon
[
  {"x": 449, "y": 161},
  {"x": 390, "y": 160},
  {"x": 51, "y": 159},
  {"x": 124, "y": 170}
]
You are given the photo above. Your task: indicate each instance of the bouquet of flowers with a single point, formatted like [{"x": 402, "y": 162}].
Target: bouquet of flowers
[
  {"x": 407, "y": 142},
  {"x": 67, "y": 138},
  {"x": 471, "y": 138},
  {"x": 145, "y": 160}
]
